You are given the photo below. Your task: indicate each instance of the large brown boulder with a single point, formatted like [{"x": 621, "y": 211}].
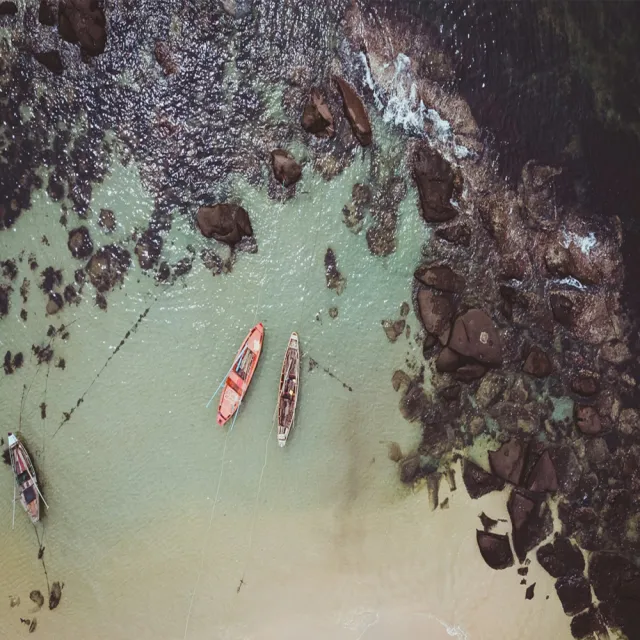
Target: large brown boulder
[
  {"x": 434, "y": 178},
  {"x": 355, "y": 112},
  {"x": 543, "y": 476},
  {"x": 478, "y": 481},
  {"x": 83, "y": 22},
  {"x": 508, "y": 461},
  {"x": 560, "y": 557},
  {"x": 474, "y": 335},
  {"x": 48, "y": 12},
  {"x": 435, "y": 310},
  {"x": 225, "y": 222},
  {"x": 8, "y": 8},
  {"x": 495, "y": 549},
  {"x": 440, "y": 277},
  {"x": 51, "y": 60},
  {"x": 286, "y": 170},
  {"x": 316, "y": 117},
  {"x": 537, "y": 363}
]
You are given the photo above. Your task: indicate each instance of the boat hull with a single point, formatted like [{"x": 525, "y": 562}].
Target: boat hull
[
  {"x": 288, "y": 389},
  {"x": 239, "y": 378},
  {"x": 25, "y": 477}
]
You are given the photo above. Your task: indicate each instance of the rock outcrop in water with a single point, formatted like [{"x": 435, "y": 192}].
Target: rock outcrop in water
[
  {"x": 228, "y": 223},
  {"x": 495, "y": 549},
  {"x": 335, "y": 280},
  {"x": 286, "y": 170},
  {"x": 51, "y": 60},
  {"x": 80, "y": 243},
  {"x": 317, "y": 117},
  {"x": 8, "y": 8},
  {"x": 108, "y": 266},
  {"x": 83, "y": 22},
  {"x": 355, "y": 112},
  {"x": 48, "y": 12},
  {"x": 533, "y": 360},
  {"x": 435, "y": 180}
]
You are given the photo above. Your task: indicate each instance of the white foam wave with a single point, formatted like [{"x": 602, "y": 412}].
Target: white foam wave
[
  {"x": 400, "y": 104},
  {"x": 584, "y": 243}
]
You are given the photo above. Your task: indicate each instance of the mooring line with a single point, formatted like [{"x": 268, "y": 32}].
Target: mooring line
[{"x": 67, "y": 414}]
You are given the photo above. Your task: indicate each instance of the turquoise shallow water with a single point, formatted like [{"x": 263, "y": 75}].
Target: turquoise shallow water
[
  {"x": 321, "y": 532},
  {"x": 317, "y": 540}
]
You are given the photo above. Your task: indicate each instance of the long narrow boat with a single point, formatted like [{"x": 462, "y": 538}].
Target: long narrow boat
[
  {"x": 240, "y": 374},
  {"x": 288, "y": 391},
  {"x": 25, "y": 476}
]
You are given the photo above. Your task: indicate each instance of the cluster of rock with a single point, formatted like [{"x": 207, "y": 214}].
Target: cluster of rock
[
  {"x": 530, "y": 317},
  {"x": 230, "y": 224}
]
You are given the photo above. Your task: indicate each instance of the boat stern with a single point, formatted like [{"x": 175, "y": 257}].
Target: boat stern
[{"x": 12, "y": 440}]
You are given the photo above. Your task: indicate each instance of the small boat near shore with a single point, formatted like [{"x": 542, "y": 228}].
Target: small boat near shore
[
  {"x": 239, "y": 377},
  {"x": 288, "y": 390},
  {"x": 25, "y": 477}
]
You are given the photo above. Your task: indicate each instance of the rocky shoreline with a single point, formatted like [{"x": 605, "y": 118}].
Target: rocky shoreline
[
  {"x": 521, "y": 307},
  {"x": 519, "y": 291}
]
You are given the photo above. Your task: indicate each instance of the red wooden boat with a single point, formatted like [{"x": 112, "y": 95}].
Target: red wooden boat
[
  {"x": 240, "y": 374},
  {"x": 25, "y": 477}
]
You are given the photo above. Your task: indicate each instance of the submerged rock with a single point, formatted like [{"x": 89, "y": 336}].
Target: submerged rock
[
  {"x": 108, "y": 266},
  {"x": 435, "y": 181},
  {"x": 400, "y": 379},
  {"x": 5, "y": 298},
  {"x": 83, "y": 22},
  {"x": 48, "y": 12},
  {"x": 495, "y": 549},
  {"x": 227, "y": 223},
  {"x": 286, "y": 170},
  {"x": 560, "y": 557},
  {"x": 80, "y": 243},
  {"x": 237, "y": 8},
  {"x": 148, "y": 249},
  {"x": 355, "y": 112},
  {"x": 393, "y": 330},
  {"x": 585, "y": 384},
  {"x": 537, "y": 363},
  {"x": 51, "y": 60},
  {"x": 435, "y": 310},
  {"x": 8, "y": 8},
  {"x": 478, "y": 481},
  {"x": 474, "y": 335},
  {"x": 410, "y": 468},
  {"x": 37, "y": 598},
  {"x": 490, "y": 390},
  {"x": 335, "y": 280},
  {"x": 164, "y": 57},
  {"x": 107, "y": 219},
  {"x": 55, "y": 595},
  {"x": 316, "y": 117},
  {"x": 55, "y": 303},
  {"x": 587, "y": 420},
  {"x": 440, "y": 277},
  {"x": 508, "y": 461}
]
